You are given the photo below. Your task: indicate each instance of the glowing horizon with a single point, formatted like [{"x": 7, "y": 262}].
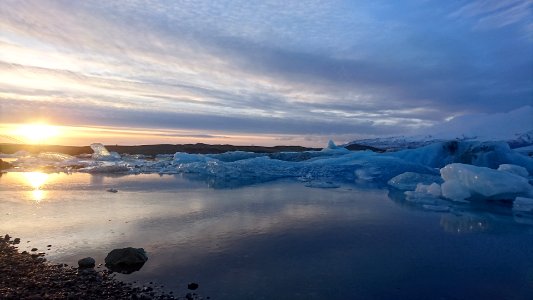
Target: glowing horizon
[{"x": 86, "y": 135}]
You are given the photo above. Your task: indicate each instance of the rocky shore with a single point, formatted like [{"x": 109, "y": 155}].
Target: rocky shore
[{"x": 25, "y": 275}]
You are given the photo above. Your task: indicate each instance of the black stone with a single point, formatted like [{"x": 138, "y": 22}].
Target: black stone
[{"x": 192, "y": 286}]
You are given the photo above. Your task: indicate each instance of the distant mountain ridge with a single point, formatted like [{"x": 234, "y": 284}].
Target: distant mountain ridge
[
  {"x": 514, "y": 127},
  {"x": 395, "y": 143}
]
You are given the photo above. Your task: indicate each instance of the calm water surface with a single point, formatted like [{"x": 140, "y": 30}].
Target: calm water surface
[{"x": 279, "y": 240}]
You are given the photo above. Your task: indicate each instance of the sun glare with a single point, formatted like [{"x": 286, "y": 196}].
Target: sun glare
[
  {"x": 36, "y": 180},
  {"x": 36, "y": 133}
]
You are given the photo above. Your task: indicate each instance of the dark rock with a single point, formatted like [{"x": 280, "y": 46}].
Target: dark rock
[
  {"x": 34, "y": 249},
  {"x": 126, "y": 260},
  {"x": 357, "y": 147},
  {"x": 87, "y": 262},
  {"x": 193, "y": 286},
  {"x": 16, "y": 241},
  {"x": 87, "y": 271}
]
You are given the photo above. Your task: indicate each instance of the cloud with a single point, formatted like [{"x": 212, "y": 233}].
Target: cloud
[
  {"x": 273, "y": 67},
  {"x": 493, "y": 14}
]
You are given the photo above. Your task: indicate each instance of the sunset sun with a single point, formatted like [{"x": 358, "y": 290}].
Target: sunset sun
[{"x": 36, "y": 133}]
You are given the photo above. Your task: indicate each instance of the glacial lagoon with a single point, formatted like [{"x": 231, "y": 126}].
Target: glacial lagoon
[{"x": 274, "y": 240}]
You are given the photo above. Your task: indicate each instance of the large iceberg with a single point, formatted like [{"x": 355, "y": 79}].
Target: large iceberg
[
  {"x": 465, "y": 181},
  {"x": 482, "y": 154}
]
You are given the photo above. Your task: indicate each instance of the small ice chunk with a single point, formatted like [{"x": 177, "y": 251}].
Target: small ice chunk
[
  {"x": 366, "y": 174},
  {"x": 185, "y": 158},
  {"x": 331, "y": 145},
  {"x": 54, "y": 156},
  {"x": 333, "y": 148},
  {"x": 463, "y": 181},
  {"x": 514, "y": 169},
  {"x": 523, "y": 204},
  {"x": 432, "y": 189},
  {"x": 101, "y": 153},
  {"x": 409, "y": 180},
  {"x": 106, "y": 168}
]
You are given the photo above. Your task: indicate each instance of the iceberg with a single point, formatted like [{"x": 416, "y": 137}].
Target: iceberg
[
  {"x": 101, "y": 153},
  {"x": 464, "y": 181},
  {"x": 481, "y": 154},
  {"x": 410, "y": 181},
  {"x": 514, "y": 169}
]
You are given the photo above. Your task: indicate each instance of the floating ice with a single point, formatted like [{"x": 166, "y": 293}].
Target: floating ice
[
  {"x": 455, "y": 190},
  {"x": 513, "y": 169},
  {"x": 54, "y": 156},
  {"x": 101, "y": 153},
  {"x": 413, "y": 170},
  {"x": 107, "y": 168},
  {"x": 482, "y": 154},
  {"x": 523, "y": 204},
  {"x": 49, "y": 161},
  {"x": 186, "y": 158},
  {"x": 465, "y": 181},
  {"x": 433, "y": 189},
  {"x": 409, "y": 180},
  {"x": 234, "y": 155},
  {"x": 17, "y": 154}
]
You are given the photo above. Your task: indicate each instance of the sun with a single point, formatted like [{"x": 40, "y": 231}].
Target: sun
[{"x": 37, "y": 133}]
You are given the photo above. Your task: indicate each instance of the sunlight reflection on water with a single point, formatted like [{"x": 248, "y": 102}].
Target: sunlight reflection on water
[{"x": 36, "y": 180}]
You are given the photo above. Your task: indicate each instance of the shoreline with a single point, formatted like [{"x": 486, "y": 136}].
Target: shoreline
[{"x": 25, "y": 275}]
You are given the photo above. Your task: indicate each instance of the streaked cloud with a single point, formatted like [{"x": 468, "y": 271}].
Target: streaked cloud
[{"x": 339, "y": 69}]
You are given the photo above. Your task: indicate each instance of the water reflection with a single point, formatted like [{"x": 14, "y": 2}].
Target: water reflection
[
  {"x": 38, "y": 195},
  {"x": 462, "y": 224},
  {"x": 465, "y": 218},
  {"x": 36, "y": 180}
]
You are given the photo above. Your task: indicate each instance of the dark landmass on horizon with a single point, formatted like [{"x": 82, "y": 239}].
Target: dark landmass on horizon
[{"x": 153, "y": 150}]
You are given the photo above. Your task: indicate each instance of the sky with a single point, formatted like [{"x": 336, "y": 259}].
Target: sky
[{"x": 258, "y": 72}]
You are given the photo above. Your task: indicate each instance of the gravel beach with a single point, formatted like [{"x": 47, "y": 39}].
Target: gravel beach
[{"x": 26, "y": 275}]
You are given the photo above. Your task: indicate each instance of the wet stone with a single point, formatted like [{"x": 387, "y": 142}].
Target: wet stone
[{"x": 87, "y": 262}]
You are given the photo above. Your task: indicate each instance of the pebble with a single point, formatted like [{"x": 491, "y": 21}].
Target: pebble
[{"x": 87, "y": 262}]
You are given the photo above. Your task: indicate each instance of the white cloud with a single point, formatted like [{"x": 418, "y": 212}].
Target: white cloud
[{"x": 369, "y": 66}]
